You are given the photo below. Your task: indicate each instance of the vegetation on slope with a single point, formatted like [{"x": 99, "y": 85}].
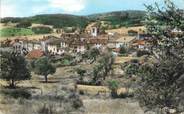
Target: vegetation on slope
[
  {"x": 7, "y": 32},
  {"x": 120, "y": 18}
]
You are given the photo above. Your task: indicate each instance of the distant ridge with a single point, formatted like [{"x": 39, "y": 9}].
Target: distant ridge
[{"x": 121, "y": 18}]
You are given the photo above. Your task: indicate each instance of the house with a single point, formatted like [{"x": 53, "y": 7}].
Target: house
[
  {"x": 5, "y": 43},
  {"x": 141, "y": 44},
  {"x": 93, "y": 29},
  {"x": 30, "y": 45},
  {"x": 98, "y": 42},
  {"x": 144, "y": 37},
  {"x": 53, "y": 45},
  {"x": 18, "y": 46},
  {"x": 125, "y": 41},
  {"x": 176, "y": 32}
]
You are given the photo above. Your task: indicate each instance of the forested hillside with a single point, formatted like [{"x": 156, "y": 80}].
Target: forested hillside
[{"x": 121, "y": 18}]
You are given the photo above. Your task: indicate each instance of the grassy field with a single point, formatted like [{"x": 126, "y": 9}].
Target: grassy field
[
  {"x": 30, "y": 37},
  {"x": 9, "y": 32},
  {"x": 54, "y": 95},
  {"x": 124, "y": 30}
]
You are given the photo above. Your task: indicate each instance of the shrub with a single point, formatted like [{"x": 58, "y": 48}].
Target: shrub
[
  {"x": 132, "y": 32},
  {"x": 81, "y": 73},
  {"x": 142, "y": 52},
  {"x": 113, "y": 85},
  {"x": 132, "y": 69},
  {"x": 17, "y": 93}
]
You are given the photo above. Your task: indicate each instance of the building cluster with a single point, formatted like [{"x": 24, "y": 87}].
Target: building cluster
[{"x": 77, "y": 43}]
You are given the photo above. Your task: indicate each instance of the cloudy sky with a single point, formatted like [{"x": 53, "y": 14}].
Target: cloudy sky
[{"x": 24, "y": 8}]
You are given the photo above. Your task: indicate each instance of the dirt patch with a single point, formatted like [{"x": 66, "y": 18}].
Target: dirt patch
[{"x": 111, "y": 106}]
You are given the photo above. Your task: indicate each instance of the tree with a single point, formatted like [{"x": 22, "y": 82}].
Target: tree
[
  {"x": 96, "y": 74},
  {"x": 106, "y": 63},
  {"x": 44, "y": 67},
  {"x": 81, "y": 73},
  {"x": 94, "y": 53},
  {"x": 24, "y": 24},
  {"x": 13, "y": 68},
  {"x": 132, "y": 69},
  {"x": 42, "y": 30},
  {"x": 122, "y": 50},
  {"x": 161, "y": 81}
]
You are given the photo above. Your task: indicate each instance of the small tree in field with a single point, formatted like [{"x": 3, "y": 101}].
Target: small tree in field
[
  {"x": 13, "y": 68},
  {"x": 43, "y": 67},
  {"x": 81, "y": 73}
]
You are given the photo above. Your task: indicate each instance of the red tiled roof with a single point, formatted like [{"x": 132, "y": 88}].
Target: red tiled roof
[
  {"x": 139, "y": 42},
  {"x": 34, "y": 54}
]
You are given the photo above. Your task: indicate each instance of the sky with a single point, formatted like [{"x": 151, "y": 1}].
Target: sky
[{"x": 25, "y": 8}]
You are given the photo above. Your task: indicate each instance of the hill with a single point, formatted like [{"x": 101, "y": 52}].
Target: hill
[
  {"x": 120, "y": 18},
  {"x": 56, "y": 20}
]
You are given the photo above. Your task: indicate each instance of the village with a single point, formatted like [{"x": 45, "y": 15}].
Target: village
[
  {"x": 83, "y": 51},
  {"x": 93, "y": 64},
  {"x": 75, "y": 43}
]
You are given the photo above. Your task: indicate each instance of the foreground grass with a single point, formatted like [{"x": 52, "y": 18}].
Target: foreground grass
[{"x": 36, "y": 97}]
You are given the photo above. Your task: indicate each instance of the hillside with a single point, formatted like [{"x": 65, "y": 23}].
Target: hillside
[
  {"x": 57, "y": 20},
  {"x": 121, "y": 18}
]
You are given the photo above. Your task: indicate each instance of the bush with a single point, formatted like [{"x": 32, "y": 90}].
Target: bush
[
  {"x": 113, "y": 85},
  {"x": 131, "y": 69},
  {"x": 142, "y": 52},
  {"x": 132, "y": 33},
  {"x": 136, "y": 61},
  {"x": 17, "y": 93}
]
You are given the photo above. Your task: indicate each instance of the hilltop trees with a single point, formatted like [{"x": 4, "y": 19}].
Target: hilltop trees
[
  {"x": 24, "y": 24},
  {"x": 13, "y": 68},
  {"x": 161, "y": 82},
  {"x": 44, "y": 67}
]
